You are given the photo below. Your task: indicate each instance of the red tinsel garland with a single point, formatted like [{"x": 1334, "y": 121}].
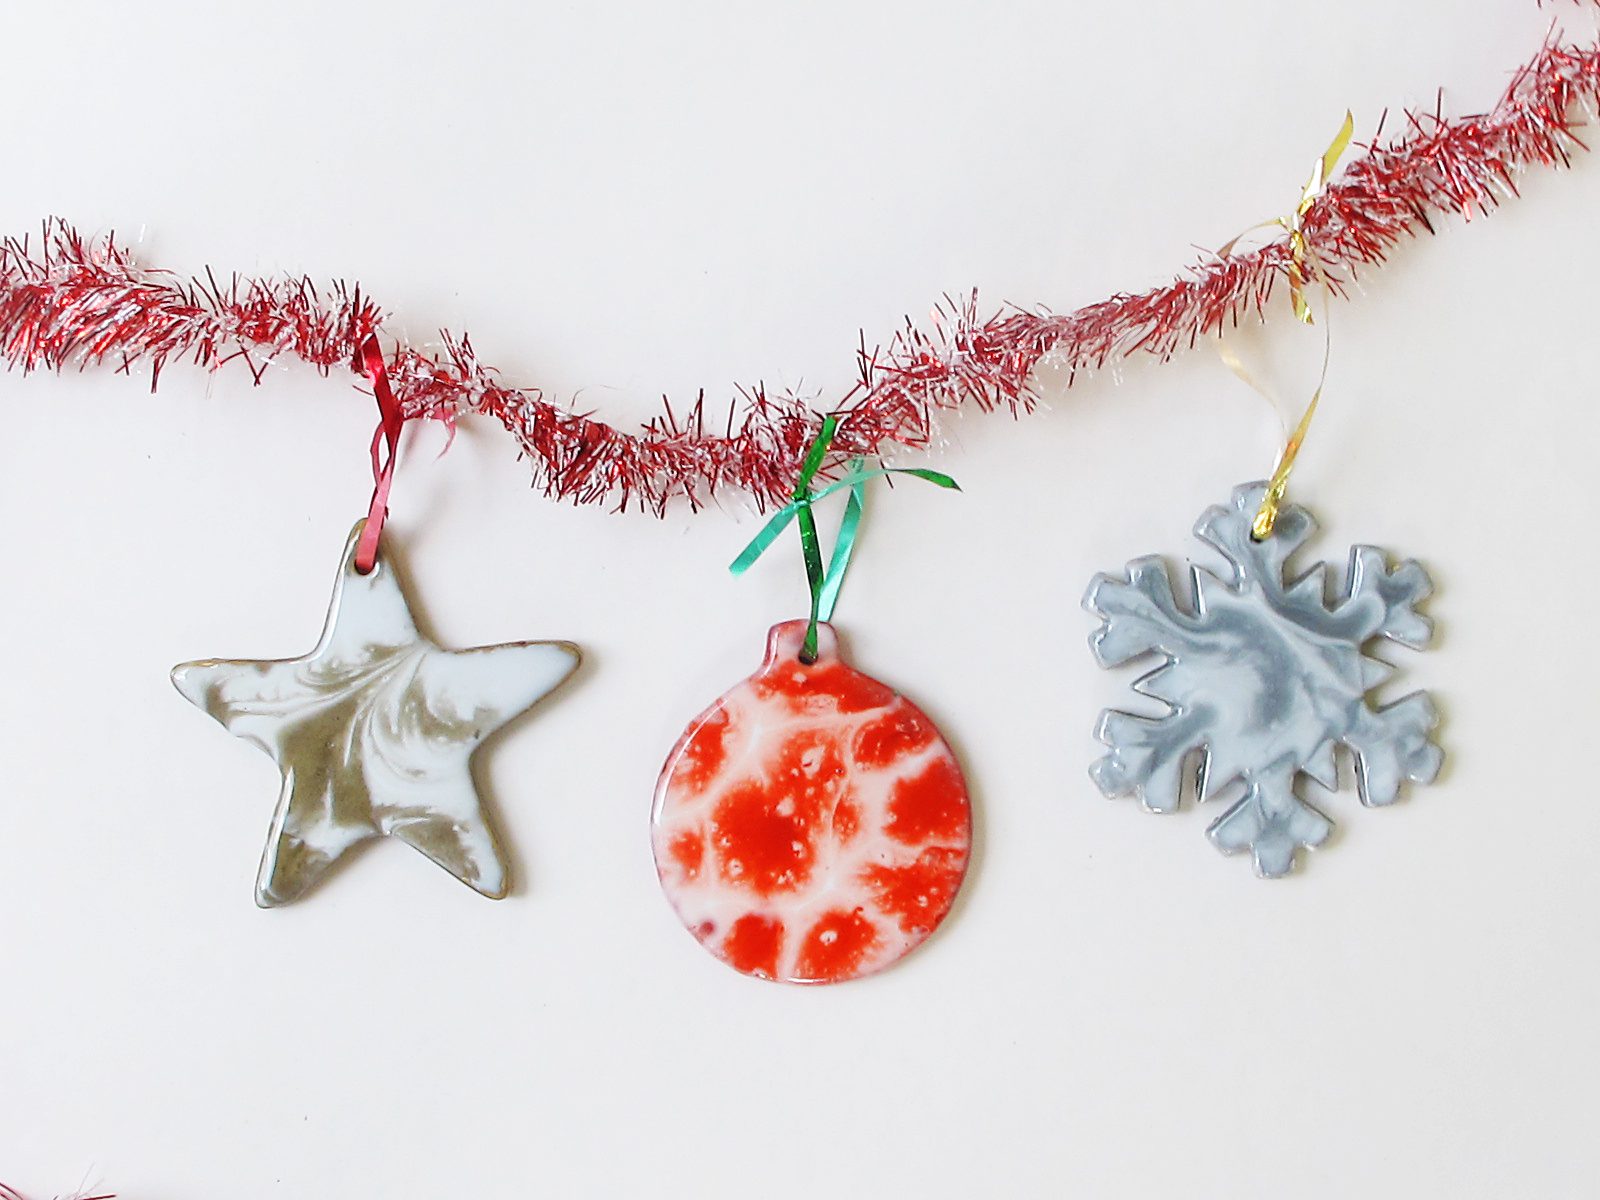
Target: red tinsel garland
[
  {"x": 8, "y": 1193},
  {"x": 80, "y": 301}
]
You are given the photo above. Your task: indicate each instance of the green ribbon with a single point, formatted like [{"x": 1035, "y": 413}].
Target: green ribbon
[{"x": 825, "y": 584}]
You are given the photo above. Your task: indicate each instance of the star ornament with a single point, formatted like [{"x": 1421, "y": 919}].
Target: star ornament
[{"x": 374, "y": 731}]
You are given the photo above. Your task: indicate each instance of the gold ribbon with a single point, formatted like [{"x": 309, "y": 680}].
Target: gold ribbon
[
  {"x": 1299, "y": 251},
  {"x": 1304, "y": 268}
]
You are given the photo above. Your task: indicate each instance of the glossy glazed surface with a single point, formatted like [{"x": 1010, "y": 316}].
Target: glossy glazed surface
[
  {"x": 1264, "y": 679},
  {"x": 812, "y": 825},
  {"x": 374, "y": 730}
]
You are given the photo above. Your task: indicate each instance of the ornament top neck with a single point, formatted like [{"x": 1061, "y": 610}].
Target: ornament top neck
[{"x": 786, "y": 640}]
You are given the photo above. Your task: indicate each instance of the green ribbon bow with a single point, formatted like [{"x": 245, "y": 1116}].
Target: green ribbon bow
[{"x": 825, "y": 584}]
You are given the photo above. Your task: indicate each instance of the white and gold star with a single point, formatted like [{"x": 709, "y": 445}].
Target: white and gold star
[{"x": 374, "y": 730}]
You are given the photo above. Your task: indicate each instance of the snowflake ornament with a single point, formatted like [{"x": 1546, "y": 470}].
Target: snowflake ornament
[{"x": 1263, "y": 679}]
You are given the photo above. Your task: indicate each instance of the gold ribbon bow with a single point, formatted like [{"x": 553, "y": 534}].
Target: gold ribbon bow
[{"x": 1304, "y": 268}]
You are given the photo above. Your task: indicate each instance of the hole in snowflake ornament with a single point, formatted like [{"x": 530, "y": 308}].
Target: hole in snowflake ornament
[{"x": 1264, "y": 678}]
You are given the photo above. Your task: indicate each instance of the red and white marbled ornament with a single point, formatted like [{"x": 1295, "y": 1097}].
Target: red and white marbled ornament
[{"x": 812, "y": 825}]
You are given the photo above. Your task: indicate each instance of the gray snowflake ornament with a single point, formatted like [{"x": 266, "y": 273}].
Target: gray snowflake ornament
[{"x": 1263, "y": 679}]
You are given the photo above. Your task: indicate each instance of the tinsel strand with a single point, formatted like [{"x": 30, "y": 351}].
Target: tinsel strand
[
  {"x": 9, "y": 1193},
  {"x": 81, "y": 302}
]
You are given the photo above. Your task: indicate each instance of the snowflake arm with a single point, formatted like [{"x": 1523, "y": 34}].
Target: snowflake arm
[
  {"x": 1138, "y": 614},
  {"x": 1272, "y": 823},
  {"x": 1230, "y": 530},
  {"x": 1389, "y": 598},
  {"x": 1146, "y": 756},
  {"x": 1393, "y": 746}
]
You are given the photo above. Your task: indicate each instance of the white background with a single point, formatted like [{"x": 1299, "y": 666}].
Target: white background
[{"x": 621, "y": 199}]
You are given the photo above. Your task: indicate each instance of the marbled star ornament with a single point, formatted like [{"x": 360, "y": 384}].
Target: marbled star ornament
[{"x": 374, "y": 731}]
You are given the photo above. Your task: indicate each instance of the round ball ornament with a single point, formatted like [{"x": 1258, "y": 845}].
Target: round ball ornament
[{"x": 812, "y": 825}]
